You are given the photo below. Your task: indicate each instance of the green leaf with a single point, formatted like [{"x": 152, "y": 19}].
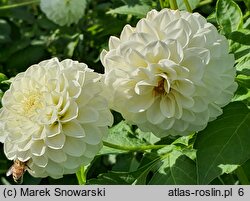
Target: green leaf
[
  {"x": 242, "y": 177},
  {"x": 146, "y": 136},
  {"x": 175, "y": 169},
  {"x": 122, "y": 178},
  {"x": 243, "y": 91},
  {"x": 243, "y": 65},
  {"x": 122, "y": 135},
  {"x": 126, "y": 162},
  {"x": 192, "y": 3},
  {"x": 246, "y": 168},
  {"x": 2, "y": 77},
  {"x": 241, "y": 36},
  {"x": 240, "y": 51},
  {"x": 184, "y": 140},
  {"x": 225, "y": 141},
  {"x": 136, "y": 10},
  {"x": 228, "y": 168},
  {"x": 169, "y": 166},
  {"x": 229, "y": 16}
]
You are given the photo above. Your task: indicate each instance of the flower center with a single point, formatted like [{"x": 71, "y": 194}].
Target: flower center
[
  {"x": 159, "y": 90},
  {"x": 163, "y": 87},
  {"x": 31, "y": 103}
]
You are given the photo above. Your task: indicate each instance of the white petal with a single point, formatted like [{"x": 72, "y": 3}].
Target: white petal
[
  {"x": 105, "y": 118},
  {"x": 200, "y": 104},
  {"x": 91, "y": 150},
  {"x": 167, "y": 106},
  {"x": 72, "y": 162},
  {"x": 55, "y": 142},
  {"x": 84, "y": 98},
  {"x": 180, "y": 126},
  {"x": 87, "y": 115},
  {"x": 38, "y": 148},
  {"x": 167, "y": 123},
  {"x": 184, "y": 101},
  {"x": 71, "y": 113},
  {"x": 145, "y": 26},
  {"x": 114, "y": 42},
  {"x": 184, "y": 87},
  {"x": 54, "y": 169},
  {"x": 156, "y": 51},
  {"x": 93, "y": 134},
  {"x": 40, "y": 161},
  {"x": 143, "y": 87},
  {"x": 74, "y": 89},
  {"x": 154, "y": 114},
  {"x": 53, "y": 129},
  {"x": 74, "y": 146},
  {"x": 140, "y": 103},
  {"x": 73, "y": 129},
  {"x": 188, "y": 116},
  {"x": 10, "y": 150},
  {"x": 23, "y": 155},
  {"x": 56, "y": 155},
  {"x": 135, "y": 58},
  {"x": 214, "y": 110},
  {"x": 126, "y": 32},
  {"x": 99, "y": 103}
]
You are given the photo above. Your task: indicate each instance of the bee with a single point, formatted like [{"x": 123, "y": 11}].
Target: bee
[{"x": 17, "y": 170}]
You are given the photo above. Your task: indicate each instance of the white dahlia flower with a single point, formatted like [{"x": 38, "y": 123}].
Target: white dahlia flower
[
  {"x": 55, "y": 117},
  {"x": 171, "y": 74},
  {"x": 63, "y": 12}
]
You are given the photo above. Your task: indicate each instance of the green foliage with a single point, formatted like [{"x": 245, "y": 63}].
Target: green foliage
[
  {"x": 228, "y": 15},
  {"x": 218, "y": 143},
  {"x": 217, "y": 155},
  {"x": 193, "y": 4},
  {"x": 169, "y": 165},
  {"x": 136, "y": 10}
]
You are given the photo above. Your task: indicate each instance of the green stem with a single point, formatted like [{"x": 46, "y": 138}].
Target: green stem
[
  {"x": 189, "y": 9},
  {"x": 162, "y": 4},
  {"x": 173, "y": 4},
  {"x": 205, "y": 2},
  {"x": 132, "y": 148},
  {"x": 242, "y": 176},
  {"x": 19, "y": 4}
]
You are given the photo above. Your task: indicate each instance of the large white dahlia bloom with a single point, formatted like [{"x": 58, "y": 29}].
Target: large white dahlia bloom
[
  {"x": 55, "y": 117},
  {"x": 63, "y": 12},
  {"x": 170, "y": 74}
]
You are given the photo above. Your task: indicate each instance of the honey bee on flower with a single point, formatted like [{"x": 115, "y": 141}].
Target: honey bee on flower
[{"x": 17, "y": 171}]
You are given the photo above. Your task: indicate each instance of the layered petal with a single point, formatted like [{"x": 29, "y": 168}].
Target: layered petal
[
  {"x": 170, "y": 74},
  {"x": 54, "y": 117}
]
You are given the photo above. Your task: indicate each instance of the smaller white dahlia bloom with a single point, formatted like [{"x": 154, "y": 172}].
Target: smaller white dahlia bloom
[
  {"x": 171, "y": 74},
  {"x": 55, "y": 117},
  {"x": 63, "y": 12}
]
